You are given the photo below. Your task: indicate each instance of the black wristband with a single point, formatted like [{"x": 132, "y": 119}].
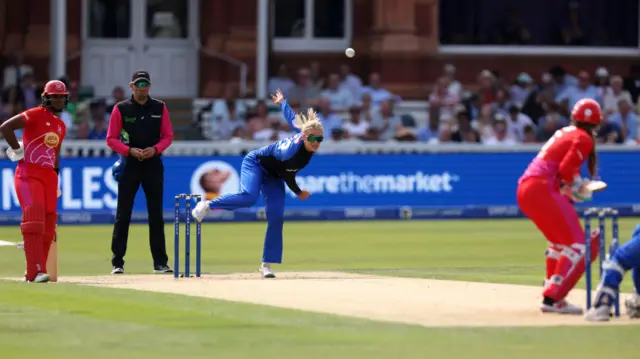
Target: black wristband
[{"x": 57, "y": 170}]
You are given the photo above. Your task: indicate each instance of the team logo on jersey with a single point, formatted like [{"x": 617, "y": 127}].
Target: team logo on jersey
[
  {"x": 51, "y": 139},
  {"x": 124, "y": 136}
]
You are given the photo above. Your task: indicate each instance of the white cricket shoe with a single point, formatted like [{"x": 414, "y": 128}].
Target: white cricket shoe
[
  {"x": 562, "y": 307},
  {"x": 266, "y": 271},
  {"x": 598, "y": 314},
  {"x": 201, "y": 210},
  {"x": 41, "y": 278}
]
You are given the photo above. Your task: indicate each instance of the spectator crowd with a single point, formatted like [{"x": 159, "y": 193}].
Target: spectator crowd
[
  {"x": 85, "y": 118},
  {"x": 496, "y": 111}
]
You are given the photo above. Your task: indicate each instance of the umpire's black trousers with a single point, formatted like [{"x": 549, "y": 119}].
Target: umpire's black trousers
[{"x": 150, "y": 174}]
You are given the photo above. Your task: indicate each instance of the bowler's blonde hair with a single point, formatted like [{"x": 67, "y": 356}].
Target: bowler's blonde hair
[{"x": 308, "y": 122}]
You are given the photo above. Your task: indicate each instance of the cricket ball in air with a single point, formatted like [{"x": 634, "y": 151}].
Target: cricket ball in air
[{"x": 350, "y": 52}]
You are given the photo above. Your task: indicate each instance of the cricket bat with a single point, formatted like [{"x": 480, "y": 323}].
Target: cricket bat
[
  {"x": 596, "y": 186},
  {"x": 52, "y": 260}
]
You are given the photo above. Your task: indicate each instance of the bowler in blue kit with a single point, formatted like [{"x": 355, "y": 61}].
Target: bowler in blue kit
[
  {"x": 267, "y": 170},
  {"x": 623, "y": 259}
]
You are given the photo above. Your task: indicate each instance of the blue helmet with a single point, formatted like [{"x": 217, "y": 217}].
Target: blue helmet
[{"x": 116, "y": 170}]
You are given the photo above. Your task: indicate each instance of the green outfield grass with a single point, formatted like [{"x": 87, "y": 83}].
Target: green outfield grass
[{"x": 66, "y": 321}]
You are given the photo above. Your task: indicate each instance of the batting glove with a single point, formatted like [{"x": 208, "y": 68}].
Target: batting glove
[
  {"x": 578, "y": 191},
  {"x": 16, "y": 155}
]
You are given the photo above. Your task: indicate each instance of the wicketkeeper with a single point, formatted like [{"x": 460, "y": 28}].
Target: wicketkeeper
[{"x": 625, "y": 258}]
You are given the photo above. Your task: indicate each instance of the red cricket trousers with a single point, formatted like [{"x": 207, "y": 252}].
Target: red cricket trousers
[
  {"x": 37, "y": 187},
  {"x": 553, "y": 214}
]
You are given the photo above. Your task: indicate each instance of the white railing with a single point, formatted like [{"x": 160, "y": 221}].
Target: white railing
[
  {"x": 419, "y": 111},
  {"x": 244, "y": 69},
  {"x": 97, "y": 148}
]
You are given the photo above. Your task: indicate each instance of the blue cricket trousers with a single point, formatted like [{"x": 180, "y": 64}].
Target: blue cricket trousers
[
  {"x": 627, "y": 256},
  {"x": 254, "y": 180}
]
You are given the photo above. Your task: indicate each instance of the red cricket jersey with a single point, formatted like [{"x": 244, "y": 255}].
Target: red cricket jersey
[
  {"x": 42, "y": 136},
  {"x": 562, "y": 156}
]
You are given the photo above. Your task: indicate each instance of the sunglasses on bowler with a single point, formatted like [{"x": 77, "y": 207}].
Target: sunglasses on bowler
[
  {"x": 141, "y": 84},
  {"x": 315, "y": 139}
]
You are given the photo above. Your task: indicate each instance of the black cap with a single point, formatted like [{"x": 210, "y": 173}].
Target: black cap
[{"x": 140, "y": 75}]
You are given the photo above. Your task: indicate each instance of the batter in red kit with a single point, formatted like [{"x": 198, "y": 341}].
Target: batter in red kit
[
  {"x": 36, "y": 175},
  {"x": 546, "y": 193}
]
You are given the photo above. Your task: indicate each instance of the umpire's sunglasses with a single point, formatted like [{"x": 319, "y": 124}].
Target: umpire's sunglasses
[
  {"x": 315, "y": 139},
  {"x": 141, "y": 84}
]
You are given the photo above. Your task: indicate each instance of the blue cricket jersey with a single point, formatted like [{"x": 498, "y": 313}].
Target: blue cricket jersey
[{"x": 284, "y": 158}]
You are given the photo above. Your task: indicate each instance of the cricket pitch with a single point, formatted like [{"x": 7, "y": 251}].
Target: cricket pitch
[{"x": 425, "y": 302}]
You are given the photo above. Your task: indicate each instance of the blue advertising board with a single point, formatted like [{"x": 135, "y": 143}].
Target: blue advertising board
[{"x": 432, "y": 184}]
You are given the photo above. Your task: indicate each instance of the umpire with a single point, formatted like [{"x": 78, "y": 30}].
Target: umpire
[{"x": 140, "y": 130}]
